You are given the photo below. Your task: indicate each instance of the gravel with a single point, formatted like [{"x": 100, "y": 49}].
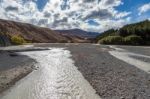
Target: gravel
[
  {"x": 145, "y": 50},
  {"x": 144, "y": 59},
  {"x": 13, "y": 67},
  {"x": 112, "y": 78}
]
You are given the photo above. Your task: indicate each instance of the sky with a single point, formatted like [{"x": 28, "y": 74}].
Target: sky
[{"x": 89, "y": 15}]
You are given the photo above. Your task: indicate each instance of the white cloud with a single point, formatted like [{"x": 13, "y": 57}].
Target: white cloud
[
  {"x": 106, "y": 24},
  {"x": 66, "y": 14},
  {"x": 144, "y": 8}
]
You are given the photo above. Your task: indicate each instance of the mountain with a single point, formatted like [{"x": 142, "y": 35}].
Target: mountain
[
  {"x": 10, "y": 30},
  {"x": 138, "y": 33},
  {"x": 78, "y": 33}
]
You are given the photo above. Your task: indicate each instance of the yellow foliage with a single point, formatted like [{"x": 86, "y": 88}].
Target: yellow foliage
[{"x": 17, "y": 40}]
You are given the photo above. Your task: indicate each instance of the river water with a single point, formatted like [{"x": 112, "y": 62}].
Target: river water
[{"x": 56, "y": 78}]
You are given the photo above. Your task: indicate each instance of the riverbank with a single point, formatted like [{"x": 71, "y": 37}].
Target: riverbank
[
  {"x": 13, "y": 67},
  {"x": 9, "y": 77}
]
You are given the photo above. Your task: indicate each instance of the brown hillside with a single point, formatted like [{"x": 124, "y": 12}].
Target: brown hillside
[
  {"x": 30, "y": 32},
  {"x": 34, "y": 33}
]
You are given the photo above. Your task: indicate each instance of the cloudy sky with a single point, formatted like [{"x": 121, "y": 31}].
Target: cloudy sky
[{"x": 90, "y": 15}]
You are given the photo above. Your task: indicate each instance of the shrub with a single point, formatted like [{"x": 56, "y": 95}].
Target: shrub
[
  {"x": 133, "y": 40},
  {"x": 4, "y": 39},
  {"x": 63, "y": 41},
  {"x": 18, "y": 40},
  {"x": 111, "y": 40},
  {"x": 1, "y": 43}
]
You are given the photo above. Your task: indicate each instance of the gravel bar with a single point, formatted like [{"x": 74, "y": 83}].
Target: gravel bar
[
  {"x": 112, "y": 78},
  {"x": 145, "y": 50},
  {"x": 109, "y": 76}
]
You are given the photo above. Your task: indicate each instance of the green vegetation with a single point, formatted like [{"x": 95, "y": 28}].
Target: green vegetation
[
  {"x": 133, "y": 40},
  {"x": 110, "y": 32},
  {"x": 111, "y": 40},
  {"x": 4, "y": 41},
  {"x": 18, "y": 40},
  {"x": 133, "y": 34},
  {"x": 1, "y": 42}
]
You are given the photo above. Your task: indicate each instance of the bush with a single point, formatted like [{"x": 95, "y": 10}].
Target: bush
[
  {"x": 1, "y": 41},
  {"x": 18, "y": 40},
  {"x": 133, "y": 40},
  {"x": 111, "y": 40},
  {"x": 63, "y": 41}
]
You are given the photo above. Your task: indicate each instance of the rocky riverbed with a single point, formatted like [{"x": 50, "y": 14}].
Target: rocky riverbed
[
  {"x": 107, "y": 69},
  {"x": 13, "y": 67}
]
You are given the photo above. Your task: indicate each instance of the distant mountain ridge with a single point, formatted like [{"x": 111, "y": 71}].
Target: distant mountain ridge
[{"x": 79, "y": 33}]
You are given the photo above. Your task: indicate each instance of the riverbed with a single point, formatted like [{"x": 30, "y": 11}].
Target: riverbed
[{"x": 55, "y": 78}]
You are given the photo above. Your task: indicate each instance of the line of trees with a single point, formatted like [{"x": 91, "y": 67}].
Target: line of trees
[{"x": 132, "y": 34}]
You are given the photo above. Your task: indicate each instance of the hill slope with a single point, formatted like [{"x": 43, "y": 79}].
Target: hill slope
[
  {"x": 130, "y": 32},
  {"x": 32, "y": 33}
]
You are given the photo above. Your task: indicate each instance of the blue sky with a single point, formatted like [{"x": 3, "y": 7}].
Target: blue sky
[
  {"x": 133, "y": 5},
  {"x": 41, "y": 4},
  {"x": 90, "y": 15}
]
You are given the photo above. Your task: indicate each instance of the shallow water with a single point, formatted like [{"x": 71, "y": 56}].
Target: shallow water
[{"x": 56, "y": 78}]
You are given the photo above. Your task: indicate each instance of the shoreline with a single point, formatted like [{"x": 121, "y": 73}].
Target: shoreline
[
  {"x": 8, "y": 78},
  {"x": 13, "y": 69}
]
